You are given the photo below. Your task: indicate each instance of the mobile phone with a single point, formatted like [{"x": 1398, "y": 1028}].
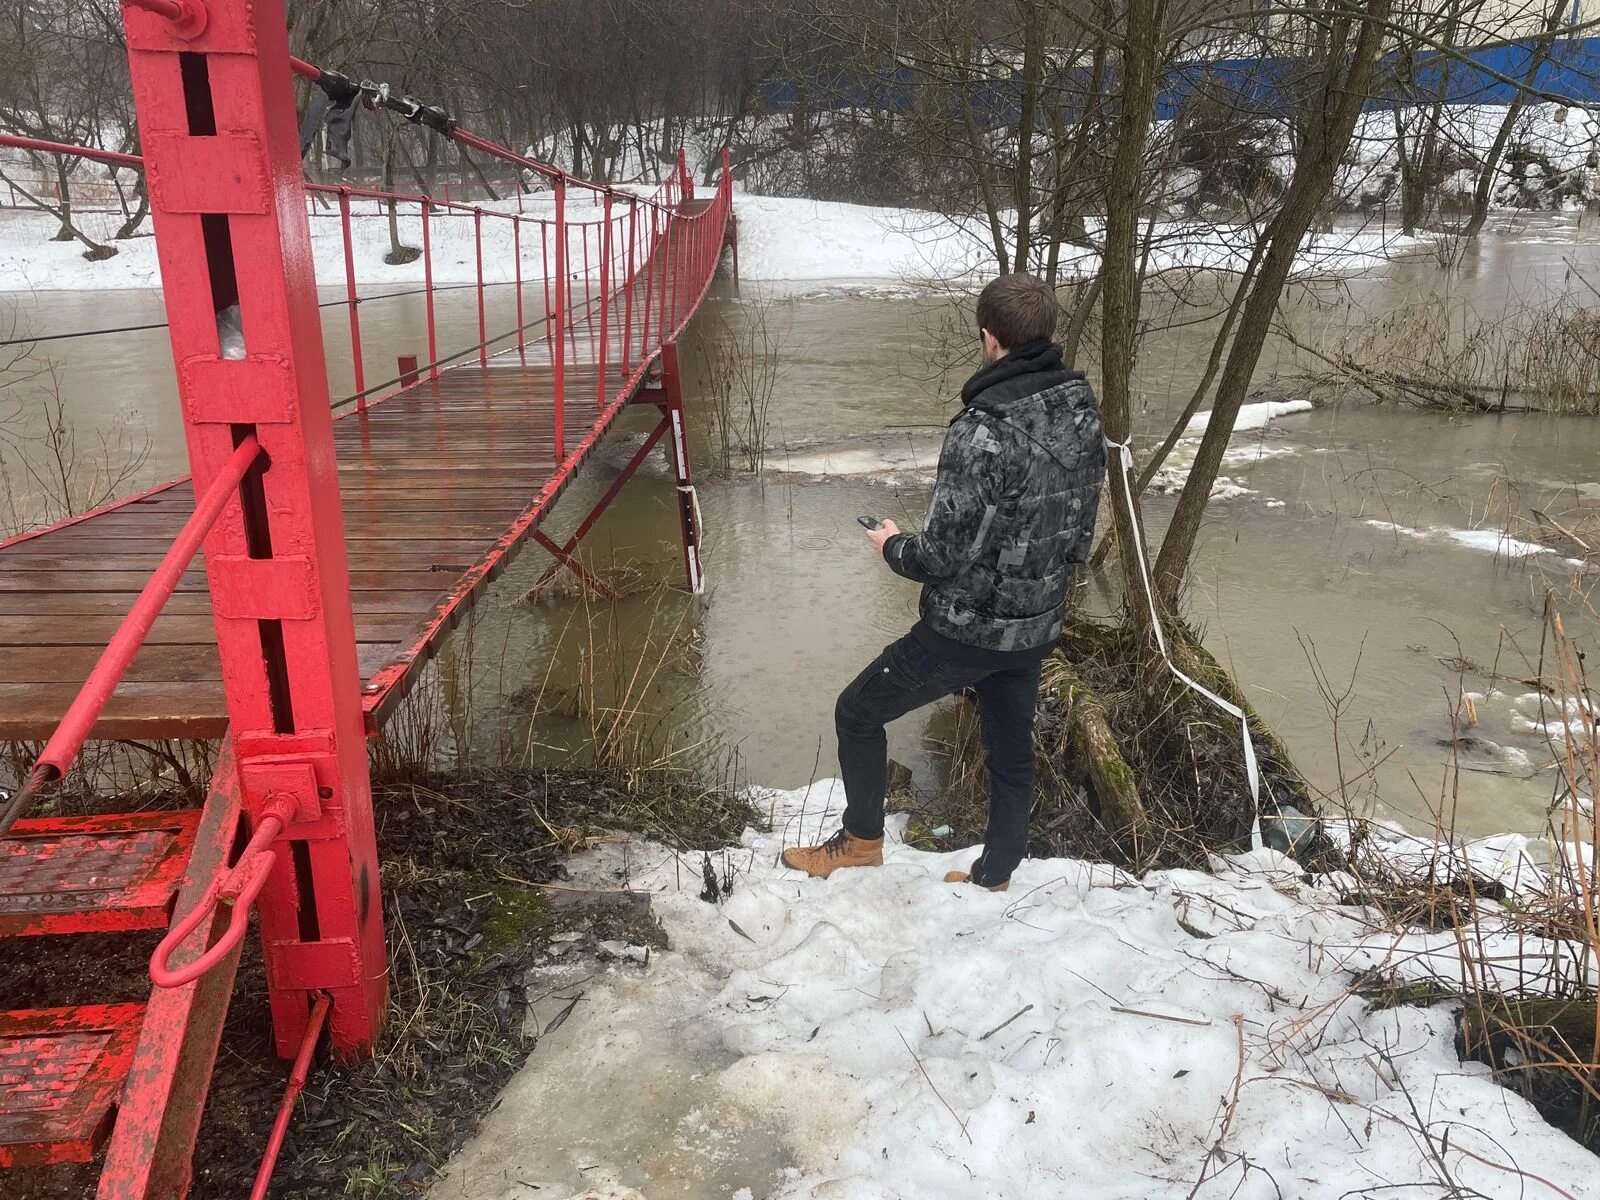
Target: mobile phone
[{"x": 870, "y": 522}]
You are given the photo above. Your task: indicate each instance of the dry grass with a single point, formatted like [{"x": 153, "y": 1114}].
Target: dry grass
[
  {"x": 739, "y": 363},
  {"x": 1527, "y": 941},
  {"x": 1438, "y": 353}
]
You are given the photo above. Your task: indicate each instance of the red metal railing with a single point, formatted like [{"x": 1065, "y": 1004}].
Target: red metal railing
[{"x": 85, "y": 710}]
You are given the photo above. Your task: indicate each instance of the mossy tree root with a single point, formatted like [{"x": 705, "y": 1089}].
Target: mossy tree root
[{"x": 1087, "y": 736}]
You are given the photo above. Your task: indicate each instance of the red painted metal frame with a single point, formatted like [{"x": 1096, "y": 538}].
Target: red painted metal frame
[
  {"x": 152, "y": 848},
  {"x": 61, "y": 1070},
  {"x": 223, "y": 153},
  {"x": 150, "y": 1152},
  {"x": 217, "y": 117}
]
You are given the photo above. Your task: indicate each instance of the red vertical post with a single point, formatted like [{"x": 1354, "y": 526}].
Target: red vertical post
[
  {"x": 544, "y": 260},
  {"x": 350, "y": 291},
  {"x": 605, "y": 294},
  {"x": 666, "y": 269},
  {"x": 628, "y": 289},
  {"x": 560, "y": 317},
  {"x": 216, "y": 113},
  {"x": 730, "y": 226},
  {"x": 649, "y": 290},
  {"x": 685, "y": 180},
  {"x": 688, "y": 500},
  {"x": 588, "y": 297},
  {"x": 516, "y": 256},
  {"x": 427, "y": 287},
  {"x": 674, "y": 271},
  {"x": 483, "y": 323}
]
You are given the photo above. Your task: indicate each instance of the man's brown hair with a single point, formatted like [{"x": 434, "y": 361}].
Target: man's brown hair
[{"x": 1017, "y": 309}]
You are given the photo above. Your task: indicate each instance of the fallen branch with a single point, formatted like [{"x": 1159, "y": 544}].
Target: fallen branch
[{"x": 929, "y": 1078}]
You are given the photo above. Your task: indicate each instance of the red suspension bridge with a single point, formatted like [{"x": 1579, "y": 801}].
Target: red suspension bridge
[{"x": 339, "y": 548}]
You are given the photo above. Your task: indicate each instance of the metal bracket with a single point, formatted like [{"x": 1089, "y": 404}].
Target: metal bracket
[{"x": 268, "y": 779}]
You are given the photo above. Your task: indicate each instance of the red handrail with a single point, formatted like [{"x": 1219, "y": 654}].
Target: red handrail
[{"x": 108, "y": 671}]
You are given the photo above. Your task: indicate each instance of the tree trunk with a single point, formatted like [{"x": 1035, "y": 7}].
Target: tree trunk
[
  {"x": 1022, "y": 182},
  {"x": 1346, "y": 80},
  {"x": 134, "y": 219},
  {"x": 388, "y": 186},
  {"x": 1119, "y": 274},
  {"x": 68, "y": 231}
]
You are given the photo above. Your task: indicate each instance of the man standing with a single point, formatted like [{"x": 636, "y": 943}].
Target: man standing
[{"x": 1012, "y": 515}]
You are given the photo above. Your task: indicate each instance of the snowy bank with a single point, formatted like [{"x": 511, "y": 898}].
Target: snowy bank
[
  {"x": 780, "y": 240},
  {"x": 805, "y": 240},
  {"x": 1089, "y": 1035}
]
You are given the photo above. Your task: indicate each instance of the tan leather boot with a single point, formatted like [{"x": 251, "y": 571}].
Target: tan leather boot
[
  {"x": 965, "y": 877},
  {"x": 841, "y": 850}
]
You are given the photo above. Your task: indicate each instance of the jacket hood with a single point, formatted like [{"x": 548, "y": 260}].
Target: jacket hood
[{"x": 1024, "y": 371}]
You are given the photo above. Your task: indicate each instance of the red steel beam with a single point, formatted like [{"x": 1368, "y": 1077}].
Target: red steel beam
[{"x": 216, "y": 114}]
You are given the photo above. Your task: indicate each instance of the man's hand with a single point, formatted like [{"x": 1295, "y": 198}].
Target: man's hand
[{"x": 880, "y": 536}]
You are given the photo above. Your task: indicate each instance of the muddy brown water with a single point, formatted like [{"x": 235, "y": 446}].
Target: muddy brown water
[{"x": 1340, "y": 551}]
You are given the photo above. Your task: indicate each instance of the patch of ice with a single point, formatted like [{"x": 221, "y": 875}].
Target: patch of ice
[
  {"x": 1490, "y": 540},
  {"x": 1251, "y": 416}
]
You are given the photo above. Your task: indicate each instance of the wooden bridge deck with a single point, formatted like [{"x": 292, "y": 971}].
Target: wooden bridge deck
[{"x": 440, "y": 483}]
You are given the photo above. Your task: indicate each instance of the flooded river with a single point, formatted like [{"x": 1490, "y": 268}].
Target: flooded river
[{"x": 1362, "y": 537}]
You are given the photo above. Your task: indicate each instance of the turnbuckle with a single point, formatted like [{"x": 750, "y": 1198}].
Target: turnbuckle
[{"x": 238, "y": 888}]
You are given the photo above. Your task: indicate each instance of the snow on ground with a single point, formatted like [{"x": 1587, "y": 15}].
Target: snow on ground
[
  {"x": 1550, "y": 139},
  {"x": 30, "y": 261},
  {"x": 779, "y": 240},
  {"x": 785, "y": 239},
  {"x": 886, "y": 1036}
]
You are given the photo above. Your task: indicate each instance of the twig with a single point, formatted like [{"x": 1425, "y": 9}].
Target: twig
[
  {"x": 1227, "y": 1117},
  {"x": 929, "y": 1078},
  {"x": 1007, "y": 1021},
  {"x": 1139, "y": 1012}
]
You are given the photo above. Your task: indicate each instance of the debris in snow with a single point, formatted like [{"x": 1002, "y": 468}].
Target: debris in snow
[{"x": 612, "y": 948}]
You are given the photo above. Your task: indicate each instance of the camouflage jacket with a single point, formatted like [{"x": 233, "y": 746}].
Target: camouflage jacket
[{"x": 1013, "y": 508}]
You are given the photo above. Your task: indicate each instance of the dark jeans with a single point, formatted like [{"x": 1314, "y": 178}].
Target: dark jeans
[{"x": 908, "y": 675}]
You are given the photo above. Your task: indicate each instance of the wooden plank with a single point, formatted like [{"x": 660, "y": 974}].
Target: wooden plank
[
  {"x": 194, "y": 603},
  {"x": 138, "y": 711},
  {"x": 166, "y": 630},
  {"x": 153, "y": 664}
]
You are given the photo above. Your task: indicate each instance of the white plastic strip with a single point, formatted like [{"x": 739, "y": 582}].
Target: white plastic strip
[{"x": 1124, "y": 458}]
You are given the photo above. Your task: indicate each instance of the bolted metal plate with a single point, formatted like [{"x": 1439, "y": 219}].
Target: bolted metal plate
[
  {"x": 93, "y": 874},
  {"x": 61, "y": 1073}
]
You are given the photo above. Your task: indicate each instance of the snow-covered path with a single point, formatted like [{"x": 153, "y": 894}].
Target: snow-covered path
[{"x": 1087, "y": 1036}]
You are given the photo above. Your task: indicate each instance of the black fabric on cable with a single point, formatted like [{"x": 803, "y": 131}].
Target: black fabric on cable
[{"x": 334, "y": 101}]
